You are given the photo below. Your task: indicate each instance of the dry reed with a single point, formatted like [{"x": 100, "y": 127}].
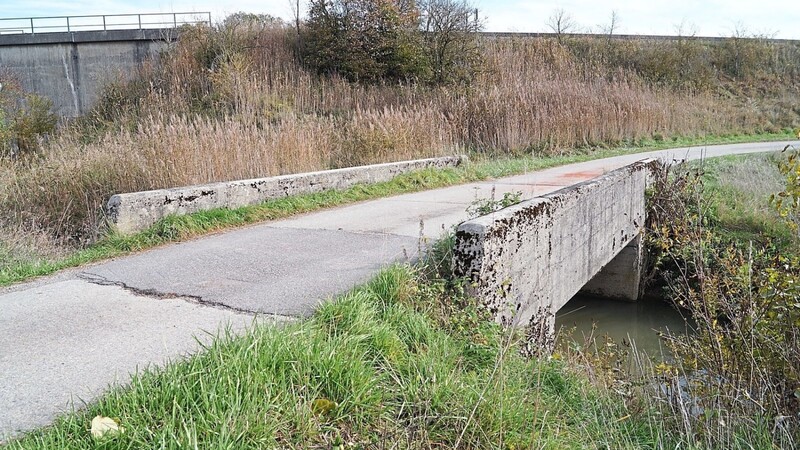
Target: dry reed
[{"x": 231, "y": 104}]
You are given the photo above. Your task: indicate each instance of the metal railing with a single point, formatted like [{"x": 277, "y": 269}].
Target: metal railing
[{"x": 106, "y": 22}]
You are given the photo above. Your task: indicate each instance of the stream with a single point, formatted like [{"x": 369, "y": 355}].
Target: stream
[{"x": 624, "y": 322}]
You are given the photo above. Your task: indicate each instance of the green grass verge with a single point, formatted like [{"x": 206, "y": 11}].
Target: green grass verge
[
  {"x": 738, "y": 189},
  {"x": 402, "y": 362},
  {"x": 174, "y": 229}
]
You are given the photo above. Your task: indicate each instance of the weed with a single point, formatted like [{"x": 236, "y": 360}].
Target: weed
[{"x": 484, "y": 206}]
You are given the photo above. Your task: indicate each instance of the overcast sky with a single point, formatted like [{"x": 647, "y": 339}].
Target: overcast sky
[{"x": 780, "y": 18}]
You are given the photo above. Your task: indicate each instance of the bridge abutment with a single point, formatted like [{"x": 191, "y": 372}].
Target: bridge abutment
[
  {"x": 71, "y": 69},
  {"x": 620, "y": 279}
]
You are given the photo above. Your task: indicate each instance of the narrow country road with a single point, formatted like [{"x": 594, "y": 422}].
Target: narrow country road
[{"x": 65, "y": 338}]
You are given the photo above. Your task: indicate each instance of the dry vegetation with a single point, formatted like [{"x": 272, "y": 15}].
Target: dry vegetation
[{"x": 236, "y": 102}]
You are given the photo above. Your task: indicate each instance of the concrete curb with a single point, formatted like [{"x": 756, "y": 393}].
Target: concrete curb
[{"x": 136, "y": 211}]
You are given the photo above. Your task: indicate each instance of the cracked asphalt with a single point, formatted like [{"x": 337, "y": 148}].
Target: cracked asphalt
[{"x": 67, "y": 338}]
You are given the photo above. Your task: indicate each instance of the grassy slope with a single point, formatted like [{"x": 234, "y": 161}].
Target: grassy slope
[
  {"x": 740, "y": 188},
  {"x": 174, "y": 229},
  {"x": 404, "y": 364}
]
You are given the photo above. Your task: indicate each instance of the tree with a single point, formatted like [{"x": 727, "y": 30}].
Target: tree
[
  {"x": 376, "y": 40},
  {"x": 561, "y": 22},
  {"x": 450, "y": 28},
  {"x": 613, "y": 24},
  {"x": 364, "y": 40}
]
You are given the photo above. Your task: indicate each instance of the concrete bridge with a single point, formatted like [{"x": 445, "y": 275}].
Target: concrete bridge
[
  {"x": 70, "y": 59},
  {"x": 65, "y": 338},
  {"x": 527, "y": 261}
]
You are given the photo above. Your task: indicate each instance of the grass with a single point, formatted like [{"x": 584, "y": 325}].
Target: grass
[
  {"x": 26, "y": 263},
  {"x": 739, "y": 188},
  {"x": 401, "y": 362}
]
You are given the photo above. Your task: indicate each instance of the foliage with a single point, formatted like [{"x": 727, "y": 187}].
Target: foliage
[
  {"x": 484, "y": 206},
  {"x": 451, "y": 40},
  {"x": 25, "y": 119},
  {"x": 380, "y": 40},
  {"x": 742, "y": 365},
  {"x": 787, "y": 202},
  {"x": 364, "y": 40},
  {"x": 740, "y": 63}
]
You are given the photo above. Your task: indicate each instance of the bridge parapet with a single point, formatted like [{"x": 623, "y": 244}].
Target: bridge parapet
[{"x": 526, "y": 261}]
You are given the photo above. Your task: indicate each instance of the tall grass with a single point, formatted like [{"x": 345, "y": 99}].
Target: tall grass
[
  {"x": 379, "y": 368},
  {"x": 234, "y": 102}
]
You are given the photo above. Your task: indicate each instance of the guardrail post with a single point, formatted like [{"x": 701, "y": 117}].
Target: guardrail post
[
  {"x": 32, "y": 32},
  {"x": 140, "y": 20},
  {"x": 68, "y": 25},
  {"x": 104, "y": 23},
  {"x": 174, "y": 20}
]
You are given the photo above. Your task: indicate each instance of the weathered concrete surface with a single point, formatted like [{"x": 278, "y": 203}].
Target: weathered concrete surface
[
  {"x": 528, "y": 260},
  {"x": 138, "y": 210},
  {"x": 285, "y": 273},
  {"x": 62, "y": 344},
  {"x": 621, "y": 278},
  {"x": 71, "y": 69}
]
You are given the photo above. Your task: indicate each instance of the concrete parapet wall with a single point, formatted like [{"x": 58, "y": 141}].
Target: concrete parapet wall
[
  {"x": 138, "y": 210},
  {"x": 528, "y": 260}
]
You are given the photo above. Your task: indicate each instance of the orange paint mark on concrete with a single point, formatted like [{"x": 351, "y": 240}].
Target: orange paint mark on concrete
[{"x": 584, "y": 175}]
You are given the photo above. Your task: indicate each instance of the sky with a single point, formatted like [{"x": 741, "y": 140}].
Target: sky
[{"x": 775, "y": 18}]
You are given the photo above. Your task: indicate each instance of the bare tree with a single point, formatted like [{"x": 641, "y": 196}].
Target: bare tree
[
  {"x": 450, "y": 30},
  {"x": 613, "y": 24},
  {"x": 561, "y": 22}
]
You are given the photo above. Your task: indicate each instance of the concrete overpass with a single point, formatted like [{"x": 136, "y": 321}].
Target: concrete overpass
[{"x": 70, "y": 59}]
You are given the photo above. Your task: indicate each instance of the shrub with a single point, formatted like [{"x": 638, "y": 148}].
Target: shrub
[
  {"x": 741, "y": 366},
  {"x": 25, "y": 119},
  {"x": 379, "y": 40},
  {"x": 363, "y": 40}
]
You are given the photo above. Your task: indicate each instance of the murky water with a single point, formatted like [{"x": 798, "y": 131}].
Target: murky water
[{"x": 624, "y": 322}]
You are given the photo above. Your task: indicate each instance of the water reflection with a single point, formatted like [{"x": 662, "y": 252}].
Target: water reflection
[{"x": 622, "y": 321}]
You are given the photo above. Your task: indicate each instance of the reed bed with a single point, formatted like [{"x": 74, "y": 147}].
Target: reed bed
[{"x": 233, "y": 103}]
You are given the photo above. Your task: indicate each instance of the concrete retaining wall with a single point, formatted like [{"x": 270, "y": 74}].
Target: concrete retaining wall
[
  {"x": 71, "y": 69},
  {"x": 136, "y": 211},
  {"x": 528, "y": 260}
]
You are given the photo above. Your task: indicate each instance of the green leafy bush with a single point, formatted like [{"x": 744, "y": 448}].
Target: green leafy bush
[{"x": 380, "y": 40}]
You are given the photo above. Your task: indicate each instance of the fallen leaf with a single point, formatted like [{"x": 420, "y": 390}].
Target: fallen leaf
[
  {"x": 105, "y": 426},
  {"x": 322, "y": 406}
]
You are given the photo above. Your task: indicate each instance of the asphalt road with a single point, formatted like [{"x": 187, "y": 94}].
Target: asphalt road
[{"x": 66, "y": 338}]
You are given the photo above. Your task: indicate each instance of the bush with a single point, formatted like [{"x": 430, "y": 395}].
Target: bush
[
  {"x": 363, "y": 40},
  {"x": 25, "y": 119},
  {"x": 741, "y": 366},
  {"x": 379, "y": 40}
]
